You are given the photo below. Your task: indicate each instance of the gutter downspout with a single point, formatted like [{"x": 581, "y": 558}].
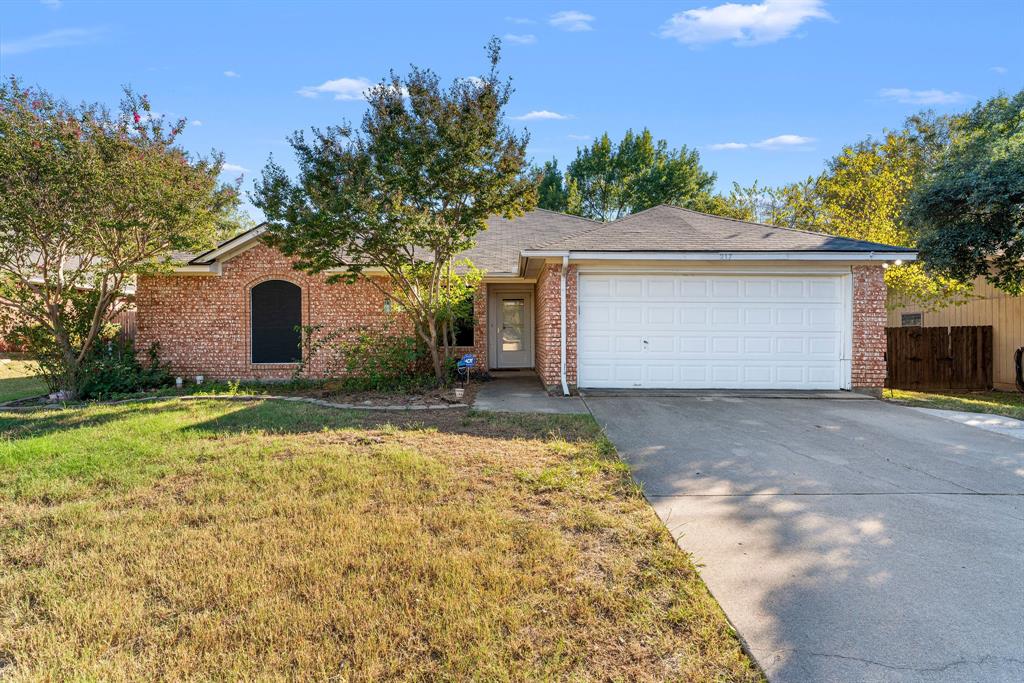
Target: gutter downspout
[{"x": 565, "y": 269}]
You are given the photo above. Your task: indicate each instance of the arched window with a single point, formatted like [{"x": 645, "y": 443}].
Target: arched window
[{"x": 276, "y": 307}]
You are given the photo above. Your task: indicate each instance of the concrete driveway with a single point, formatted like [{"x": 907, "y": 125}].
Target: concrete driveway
[{"x": 847, "y": 540}]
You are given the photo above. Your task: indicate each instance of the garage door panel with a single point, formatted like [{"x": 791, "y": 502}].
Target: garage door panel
[
  {"x": 691, "y": 289},
  {"x": 661, "y": 288},
  {"x": 627, "y": 287},
  {"x": 661, "y": 315},
  {"x": 711, "y": 331},
  {"x": 591, "y": 287}
]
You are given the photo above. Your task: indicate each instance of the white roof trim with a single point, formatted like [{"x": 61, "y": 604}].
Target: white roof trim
[
  {"x": 231, "y": 245},
  {"x": 908, "y": 255}
]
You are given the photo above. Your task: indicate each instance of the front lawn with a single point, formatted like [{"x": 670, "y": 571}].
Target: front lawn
[
  {"x": 1010, "y": 404},
  {"x": 17, "y": 378},
  {"x": 272, "y": 540}
]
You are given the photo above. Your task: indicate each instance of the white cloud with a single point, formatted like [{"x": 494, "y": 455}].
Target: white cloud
[
  {"x": 520, "y": 20},
  {"x": 233, "y": 168},
  {"x": 585, "y": 138},
  {"x": 232, "y": 74},
  {"x": 475, "y": 80},
  {"x": 341, "y": 88},
  {"x": 777, "y": 142},
  {"x": 61, "y": 37},
  {"x": 753, "y": 24},
  {"x": 571, "y": 20},
  {"x": 542, "y": 115},
  {"x": 52, "y": 4},
  {"x": 783, "y": 141},
  {"x": 520, "y": 38},
  {"x": 1000, "y": 70},
  {"x": 196, "y": 122},
  {"x": 908, "y": 96}
]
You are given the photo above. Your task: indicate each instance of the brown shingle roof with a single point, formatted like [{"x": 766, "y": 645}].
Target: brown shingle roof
[
  {"x": 497, "y": 248},
  {"x": 671, "y": 228}
]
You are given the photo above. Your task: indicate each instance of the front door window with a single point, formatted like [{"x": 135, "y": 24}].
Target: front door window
[{"x": 512, "y": 324}]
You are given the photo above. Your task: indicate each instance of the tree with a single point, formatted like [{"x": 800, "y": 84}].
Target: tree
[
  {"x": 234, "y": 222},
  {"x": 404, "y": 193},
  {"x": 89, "y": 200},
  {"x": 551, "y": 191},
  {"x": 969, "y": 207},
  {"x": 864, "y": 194},
  {"x": 614, "y": 180}
]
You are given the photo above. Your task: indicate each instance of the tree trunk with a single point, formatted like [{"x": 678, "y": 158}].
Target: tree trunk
[{"x": 435, "y": 355}]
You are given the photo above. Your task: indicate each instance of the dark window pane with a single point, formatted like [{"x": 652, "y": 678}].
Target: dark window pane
[
  {"x": 463, "y": 322},
  {"x": 463, "y": 331},
  {"x": 276, "y": 317},
  {"x": 911, "y": 320}
]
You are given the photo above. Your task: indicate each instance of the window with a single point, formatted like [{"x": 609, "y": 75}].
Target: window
[
  {"x": 276, "y": 315},
  {"x": 911, "y": 320},
  {"x": 463, "y": 322}
]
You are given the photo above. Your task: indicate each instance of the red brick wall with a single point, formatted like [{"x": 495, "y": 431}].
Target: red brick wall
[
  {"x": 202, "y": 322},
  {"x": 869, "y": 317},
  {"x": 547, "y": 325}
]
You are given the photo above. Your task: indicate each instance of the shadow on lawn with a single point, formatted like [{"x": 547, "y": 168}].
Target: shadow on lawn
[
  {"x": 292, "y": 417},
  {"x": 285, "y": 417}
]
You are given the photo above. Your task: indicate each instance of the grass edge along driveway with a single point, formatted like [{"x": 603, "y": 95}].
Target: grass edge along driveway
[
  {"x": 282, "y": 540},
  {"x": 1007, "y": 403}
]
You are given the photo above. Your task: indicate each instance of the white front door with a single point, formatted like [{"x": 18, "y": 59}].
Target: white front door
[
  {"x": 713, "y": 331},
  {"x": 513, "y": 329}
]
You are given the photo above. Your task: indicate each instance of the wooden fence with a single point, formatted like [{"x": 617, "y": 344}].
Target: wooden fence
[
  {"x": 126, "y": 321},
  {"x": 939, "y": 358}
]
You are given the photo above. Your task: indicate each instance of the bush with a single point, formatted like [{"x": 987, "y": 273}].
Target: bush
[
  {"x": 371, "y": 358},
  {"x": 114, "y": 368}
]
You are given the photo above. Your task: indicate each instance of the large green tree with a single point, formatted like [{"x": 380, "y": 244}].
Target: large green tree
[
  {"x": 405, "y": 192},
  {"x": 864, "y": 193},
  {"x": 969, "y": 207},
  {"x": 88, "y": 201},
  {"x": 608, "y": 180}
]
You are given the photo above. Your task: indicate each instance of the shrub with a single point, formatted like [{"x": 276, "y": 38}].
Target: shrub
[
  {"x": 369, "y": 358},
  {"x": 114, "y": 368}
]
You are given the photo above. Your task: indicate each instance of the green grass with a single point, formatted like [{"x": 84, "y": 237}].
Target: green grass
[
  {"x": 1006, "y": 403},
  {"x": 268, "y": 540},
  {"x": 17, "y": 379}
]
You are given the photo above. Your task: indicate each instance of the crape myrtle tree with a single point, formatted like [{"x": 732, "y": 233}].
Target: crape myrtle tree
[
  {"x": 88, "y": 201},
  {"x": 969, "y": 207},
  {"x": 404, "y": 193}
]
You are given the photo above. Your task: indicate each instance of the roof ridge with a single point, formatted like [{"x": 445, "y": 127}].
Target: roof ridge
[
  {"x": 569, "y": 215},
  {"x": 600, "y": 225}
]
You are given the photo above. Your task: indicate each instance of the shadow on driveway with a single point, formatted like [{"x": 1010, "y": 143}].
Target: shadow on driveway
[{"x": 846, "y": 540}]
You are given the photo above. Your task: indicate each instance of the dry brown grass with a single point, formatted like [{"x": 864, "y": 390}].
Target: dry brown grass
[{"x": 283, "y": 541}]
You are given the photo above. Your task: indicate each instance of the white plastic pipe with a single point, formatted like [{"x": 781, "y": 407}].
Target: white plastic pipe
[{"x": 565, "y": 272}]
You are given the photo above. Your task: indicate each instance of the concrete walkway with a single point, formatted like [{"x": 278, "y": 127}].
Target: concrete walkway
[
  {"x": 999, "y": 424},
  {"x": 522, "y": 392}
]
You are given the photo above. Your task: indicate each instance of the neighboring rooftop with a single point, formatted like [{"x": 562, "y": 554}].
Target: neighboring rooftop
[{"x": 671, "y": 228}]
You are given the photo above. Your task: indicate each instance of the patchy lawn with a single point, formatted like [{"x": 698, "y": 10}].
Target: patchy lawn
[
  {"x": 273, "y": 540},
  {"x": 17, "y": 379},
  {"x": 1010, "y": 404}
]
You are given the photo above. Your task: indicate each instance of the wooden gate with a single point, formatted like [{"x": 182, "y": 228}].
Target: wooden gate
[{"x": 939, "y": 358}]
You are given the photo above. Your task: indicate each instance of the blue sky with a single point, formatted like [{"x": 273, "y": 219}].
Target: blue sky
[{"x": 765, "y": 90}]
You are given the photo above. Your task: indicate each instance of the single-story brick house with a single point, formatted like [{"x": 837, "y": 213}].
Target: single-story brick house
[{"x": 664, "y": 298}]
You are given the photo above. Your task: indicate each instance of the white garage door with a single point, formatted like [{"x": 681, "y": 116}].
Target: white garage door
[{"x": 712, "y": 331}]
